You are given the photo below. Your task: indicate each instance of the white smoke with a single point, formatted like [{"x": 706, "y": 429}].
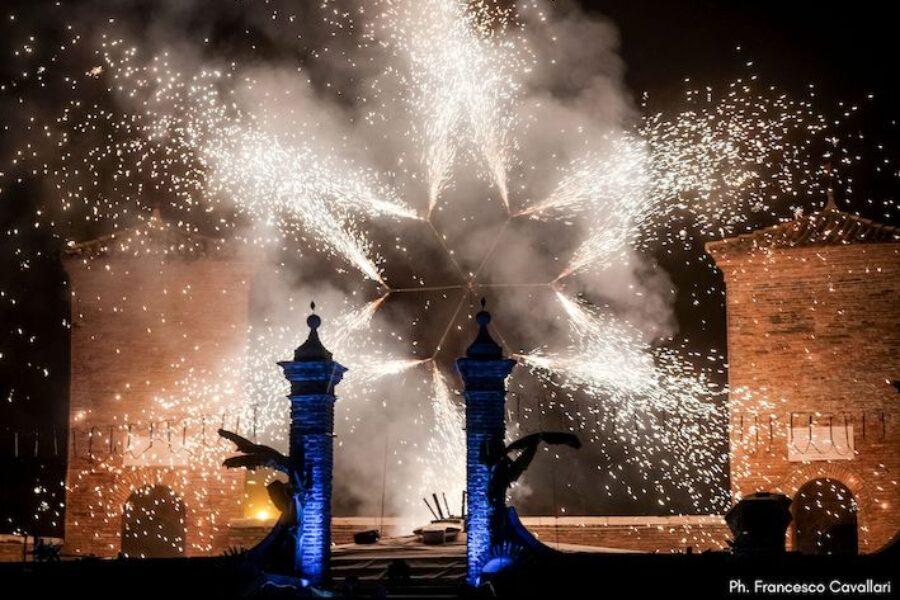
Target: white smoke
[{"x": 362, "y": 96}]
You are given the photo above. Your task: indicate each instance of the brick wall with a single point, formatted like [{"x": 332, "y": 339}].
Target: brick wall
[
  {"x": 814, "y": 332},
  {"x": 13, "y": 549},
  {"x": 485, "y": 393},
  {"x": 138, "y": 325},
  {"x": 644, "y": 534}
]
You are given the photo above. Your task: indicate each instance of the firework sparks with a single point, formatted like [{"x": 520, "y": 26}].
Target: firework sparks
[
  {"x": 462, "y": 82},
  {"x": 643, "y": 399},
  {"x": 447, "y": 449},
  {"x": 460, "y": 74}
]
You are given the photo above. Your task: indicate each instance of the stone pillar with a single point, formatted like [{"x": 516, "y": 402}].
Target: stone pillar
[
  {"x": 483, "y": 372},
  {"x": 313, "y": 375}
]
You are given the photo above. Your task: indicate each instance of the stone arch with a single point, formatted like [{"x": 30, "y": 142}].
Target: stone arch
[
  {"x": 205, "y": 491},
  {"x": 825, "y": 518},
  {"x": 154, "y": 523},
  {"x": 132, "y": 480},
  {"x": 841, "y": 474},
  {"x": 97, "y": 531},
  {"x": 823, "y": 470}
]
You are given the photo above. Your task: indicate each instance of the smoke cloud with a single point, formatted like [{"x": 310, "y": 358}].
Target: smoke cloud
[{"x": 353, "y": 89}]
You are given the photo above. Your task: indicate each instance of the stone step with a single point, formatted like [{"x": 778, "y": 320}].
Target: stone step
[
  {"x": 368, "y": 589},
  {"x": 435, "y": 571},
  {"x": 418, "y": 570}
]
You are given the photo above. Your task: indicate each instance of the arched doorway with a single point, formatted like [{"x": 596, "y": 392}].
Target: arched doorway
[
  {"x": 153, "y": 523},
  {"x": 825, "y": 518}
]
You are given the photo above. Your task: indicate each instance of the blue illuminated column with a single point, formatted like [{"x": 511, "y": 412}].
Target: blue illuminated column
[
  {"x": 313, "y": 375},
  {"x": 483, "y": 372}
]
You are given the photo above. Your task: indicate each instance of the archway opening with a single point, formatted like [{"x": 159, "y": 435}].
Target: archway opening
[
  {"x": 153, "y": 523},
  {"x": 825, "y": 518}
]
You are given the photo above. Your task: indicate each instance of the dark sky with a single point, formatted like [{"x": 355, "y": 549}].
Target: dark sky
[{"x": 847, "y": 50}]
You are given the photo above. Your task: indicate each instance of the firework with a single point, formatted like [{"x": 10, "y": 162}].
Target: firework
[{"x": 452, "y": 87}]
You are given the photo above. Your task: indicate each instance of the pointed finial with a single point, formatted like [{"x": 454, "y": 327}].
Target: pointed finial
[
  {"x": 484, "y": 345},
  {"x": 830, "y": 204},
  {"x": 483, "y": 317},
  {"x": 312, "y": 349},
  {"x": 313, "y": 320}
]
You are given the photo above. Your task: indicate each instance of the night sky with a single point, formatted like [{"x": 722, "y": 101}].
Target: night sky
[{"x": 848, "y": 50}]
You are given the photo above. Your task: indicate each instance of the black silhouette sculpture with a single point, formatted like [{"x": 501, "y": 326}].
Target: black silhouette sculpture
[
  {"x": 44, "y": 552},
  {"x": 275, "y": 552},
  {"x": 506, "y": 470},
  {"x": 512, "y": 546},
  {"x": 759, "y": 522},
  {"x": 254, "y": 456}
]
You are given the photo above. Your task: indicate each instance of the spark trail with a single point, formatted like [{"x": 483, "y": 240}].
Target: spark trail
[
  {"x": 646, "y": 402},
  {"x": 448, "y": 79}
]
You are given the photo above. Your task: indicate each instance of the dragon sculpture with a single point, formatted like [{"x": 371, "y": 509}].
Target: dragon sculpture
[{"x": 276, "y": 550}]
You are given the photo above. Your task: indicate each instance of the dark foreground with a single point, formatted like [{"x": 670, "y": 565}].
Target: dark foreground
[{"x": 709, "y": 575}]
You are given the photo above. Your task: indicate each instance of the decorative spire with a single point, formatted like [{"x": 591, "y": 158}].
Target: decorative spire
[
  {"x": 156, "y": 218},
  {"x": 830, "y": 204},
  {"x": 312, "y": 349},
  {"x": 484, "y": 346}
]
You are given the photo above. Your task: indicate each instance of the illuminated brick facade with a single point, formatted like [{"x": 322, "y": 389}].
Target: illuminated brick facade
[
  {"x": 813, "y": 310},
  {"x": 813, "y": 317},
  {"x": 313, "y": 376},
  {"x": 149, "y": 305}
]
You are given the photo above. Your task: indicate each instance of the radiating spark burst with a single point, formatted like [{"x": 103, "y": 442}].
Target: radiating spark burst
[
  {"x": 462, "y": 79},
  {"x": 647, "y": 402},
  {"x": 186, "y": 133},
  {"x": 373, "y": 370},
  {"x": 718, "y": 162},
  {"x": 446, "y": 467},
  {"x": 263, "y": 174},
  {"x": 214, "y": 151},
  {"x": 355, "y": 320},
  {"x": 613, "y": 188}
]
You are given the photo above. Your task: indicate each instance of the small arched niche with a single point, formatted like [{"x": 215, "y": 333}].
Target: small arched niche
[
  {"x": 825, "y": 518},
  {"x": 153, "y": 523}
]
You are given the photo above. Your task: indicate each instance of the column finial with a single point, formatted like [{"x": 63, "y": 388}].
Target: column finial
[
  {"x": 484, "y": 346},
  {"x": 830, "y": 204},
  {"x": 312, "y": 349}
]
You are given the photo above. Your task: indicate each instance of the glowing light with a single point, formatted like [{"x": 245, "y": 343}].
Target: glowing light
[{"x": 262, "y": 515}]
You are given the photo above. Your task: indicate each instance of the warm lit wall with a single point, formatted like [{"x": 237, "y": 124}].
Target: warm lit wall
[
  {"x": 815, "y": 330},
  {"x": 643, "y": 534},
  {"x": 138, "y": 324}
]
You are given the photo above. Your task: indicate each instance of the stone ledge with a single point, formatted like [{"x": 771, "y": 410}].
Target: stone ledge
[{"x": 541, "y": 521}]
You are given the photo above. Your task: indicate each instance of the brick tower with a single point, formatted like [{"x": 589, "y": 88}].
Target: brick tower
[
  {"x": 483, "y": 371},
  {"x": 152, "y": 307},
  {"x": 313, "y": 375},
  {"x": 813, "y": 318}
]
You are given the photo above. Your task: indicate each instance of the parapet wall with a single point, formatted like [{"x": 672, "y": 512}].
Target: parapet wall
[{"x": 642, "y": 534}]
